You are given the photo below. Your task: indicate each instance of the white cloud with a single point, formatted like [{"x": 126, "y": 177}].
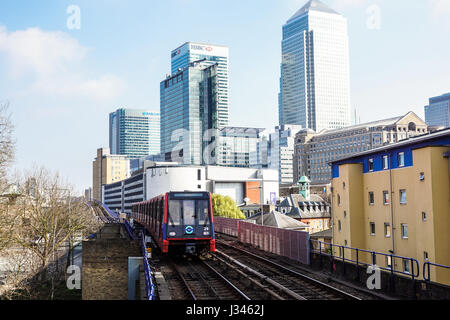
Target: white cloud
[
  {"x": 440, "y": 13},
  {"x": 440, "y": 7},
  {"x": 54, "y": 63}
]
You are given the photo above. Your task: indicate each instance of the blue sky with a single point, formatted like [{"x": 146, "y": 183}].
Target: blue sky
[{"x": 62, "y": 84}]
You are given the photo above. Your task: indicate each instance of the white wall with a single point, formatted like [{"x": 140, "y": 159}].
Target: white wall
[
  {"x": 162, "y": 180},
  {"x": 228, "y": 181},
  {"x": 235, "y": 190}
]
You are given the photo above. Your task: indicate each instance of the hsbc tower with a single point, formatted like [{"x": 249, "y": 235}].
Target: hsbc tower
[{"x": 213, "y": 54}]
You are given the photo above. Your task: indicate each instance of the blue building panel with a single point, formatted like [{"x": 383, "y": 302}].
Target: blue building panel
[
  {"x": 393, "y": 154},
  {"x": 335, "y": 170}
]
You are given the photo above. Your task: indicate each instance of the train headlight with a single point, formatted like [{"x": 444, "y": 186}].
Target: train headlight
[
  {"x": 206, "y": 233},
  {"x": 172, "y": 234}
]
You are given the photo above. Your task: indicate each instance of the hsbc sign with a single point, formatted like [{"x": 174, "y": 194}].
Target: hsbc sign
[
  {"x": 198, "y": 48},
  {"x": 201, "y": 48},
  {"x": 175, "y": 53}
]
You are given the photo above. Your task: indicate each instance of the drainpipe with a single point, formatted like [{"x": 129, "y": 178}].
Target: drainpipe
[{"x": 392, "y": 207}]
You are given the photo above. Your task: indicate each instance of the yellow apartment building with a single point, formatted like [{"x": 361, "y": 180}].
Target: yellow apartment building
[
  {"x": 396, "y": 200},
  {"x": 108, "y": 168}
]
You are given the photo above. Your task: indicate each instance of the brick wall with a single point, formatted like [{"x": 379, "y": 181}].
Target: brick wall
[{"x": 105, "y": 265}]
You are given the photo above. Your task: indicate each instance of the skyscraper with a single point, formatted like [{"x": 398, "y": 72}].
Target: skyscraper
[
  {"x": 189, "y": 108},
  {"x": 315, "y": 81},
  {"x": 213, "y": 54},
  {"x": 281, "y": 152},
  {"x": 134, "y": 133},
  {"x": 437, "y": 113}
]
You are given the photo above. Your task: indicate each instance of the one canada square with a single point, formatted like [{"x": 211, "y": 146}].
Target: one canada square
[{"x": 315, "y": 77}]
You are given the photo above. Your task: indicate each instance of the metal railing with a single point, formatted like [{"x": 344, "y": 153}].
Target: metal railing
[
  {"x": 412, "y": 263},
  {"x": 427, "y": 270},
  {"x": 129, "y": 230},
  {"x": 112, "y": 214},
  {"x": 149, "y": 283}
]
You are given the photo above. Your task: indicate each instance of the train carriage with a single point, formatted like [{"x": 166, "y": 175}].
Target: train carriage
[{"x": 178, "y": 221}]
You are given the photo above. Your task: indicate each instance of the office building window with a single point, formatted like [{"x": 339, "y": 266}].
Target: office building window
[
  {"x": 425, "y": 256},
  {"x": 370, "y": 164},
  {"x": 372, "y": 228},
  {"x": 199, "y": 174},
  {"x": 404, "y": 231},
  {"x": 422, "y": 176},
  {"x": 387, "y": 230},
  {"x": 386, "y": 197},
  {"x": 385, "y": 162},
  {"x": 389, "y": 262},
  {"x": 339, "y": 225},
  {"x": 339, "y": 200},
  {"x": 401, "y": 159},
  {"x": 402, "y": 196},
  {"x": 371, "y": 198},
  {"x": 406, "y": 265}
]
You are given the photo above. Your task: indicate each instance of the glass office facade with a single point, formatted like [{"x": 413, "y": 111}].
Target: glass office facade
[
  {"x": 188, "y": 109},
  {"x": 315, "y": 78},
  {"x": 236, "y": 146},
  {"x": 438, "y": 112},
  {"x": 211, "y": 54},
  {"x": 134, "y": 133}
]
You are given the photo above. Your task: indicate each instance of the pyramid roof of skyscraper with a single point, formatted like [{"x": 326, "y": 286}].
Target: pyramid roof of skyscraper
[{"x": 313, "y": 5}]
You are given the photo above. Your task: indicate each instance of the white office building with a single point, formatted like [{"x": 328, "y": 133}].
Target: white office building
[
  {"x": 277, "y": 152},
  {"x": 314, "y": 151},
  {"x": 315, "y": 76},
  {"x": 157, "y": 178}
]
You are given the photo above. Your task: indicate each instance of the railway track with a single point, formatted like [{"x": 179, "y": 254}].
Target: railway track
[
  {"x": 287, "y": 283},
  {"x": 198, "y": 280}
]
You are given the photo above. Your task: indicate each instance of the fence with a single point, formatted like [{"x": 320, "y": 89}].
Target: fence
[
  {"x": 359, "y": 256},
  {"x": 427, "y": 272},
  {"x": 226, "y": 226},
  {"x": 129, "y": 229},
  {"x": 149, "y": 284},
  {"x": 288, "y": 243}
]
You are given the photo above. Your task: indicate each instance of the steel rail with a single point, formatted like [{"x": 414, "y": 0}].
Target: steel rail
[
  {"x": 272, "y": 282},
  {"x": 183, "y": 279},
  {"x": 203, "y": 278},
  {"x": 228, "y": 282},
  {"x": 246, "y": 276},
  {"x": 304, "y": 277}
]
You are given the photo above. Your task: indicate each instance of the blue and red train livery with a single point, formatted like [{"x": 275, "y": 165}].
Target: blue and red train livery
[{"x": 178, "y": 221}]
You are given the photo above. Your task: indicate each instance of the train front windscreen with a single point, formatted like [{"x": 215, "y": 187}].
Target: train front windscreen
[{"x": 189, "y": 216}]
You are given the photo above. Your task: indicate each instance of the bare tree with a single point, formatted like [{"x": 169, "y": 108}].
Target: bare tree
[
  {"x": 7, "y": 143},
  {"x": 7, "y": 148},
  {"x": 48, "y": 216}
]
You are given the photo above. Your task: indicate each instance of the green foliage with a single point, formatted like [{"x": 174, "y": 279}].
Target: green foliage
[{"x": 225, "y": 207}]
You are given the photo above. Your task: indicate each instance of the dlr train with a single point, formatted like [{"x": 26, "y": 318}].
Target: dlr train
[{"x": 178, "y": 221}]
